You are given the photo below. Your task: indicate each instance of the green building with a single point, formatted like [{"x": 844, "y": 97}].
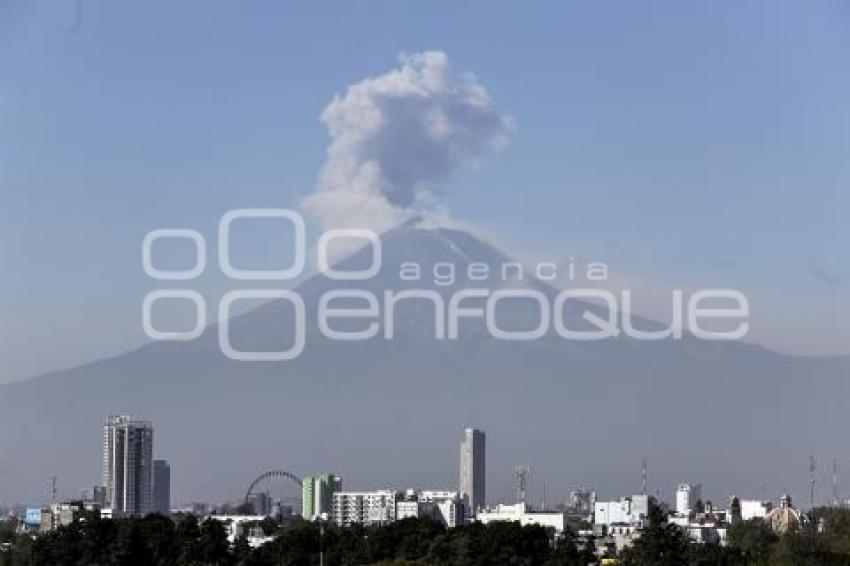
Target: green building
[{"x": 317, "y": 495}]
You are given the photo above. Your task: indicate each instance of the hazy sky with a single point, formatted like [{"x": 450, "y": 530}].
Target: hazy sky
[{"x": 687, "y": 145}]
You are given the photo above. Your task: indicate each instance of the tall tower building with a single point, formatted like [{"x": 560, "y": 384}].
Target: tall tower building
[
  {"x": 317, "y": 495},
  {"x": 472, "y": 471},
  {"x": 161, "y": 487},
  {"x": 687, "y": 497},
  {"x": 128, "y": 465}
]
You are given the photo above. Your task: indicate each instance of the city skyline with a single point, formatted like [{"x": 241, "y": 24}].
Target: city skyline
[
  {"x": 127, "y": 460},
  {"x": 132, "y": 487}
]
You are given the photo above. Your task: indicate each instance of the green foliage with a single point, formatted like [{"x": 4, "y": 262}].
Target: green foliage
[
  {"x": 7, "y": 530},
  {"x": 156, "y": 540},
  {"x": 660, "y": 544},
  {"x": 753, "y": 539}
]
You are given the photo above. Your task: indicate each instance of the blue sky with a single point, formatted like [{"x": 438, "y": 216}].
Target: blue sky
[{"x": 685, "y": 144}]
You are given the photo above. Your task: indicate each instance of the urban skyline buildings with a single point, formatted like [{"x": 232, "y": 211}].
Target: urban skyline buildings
[
  {"x": 617, "y": 522},
  {"x": 473, "y": 470},
  {"x": 128, "y": 465}
]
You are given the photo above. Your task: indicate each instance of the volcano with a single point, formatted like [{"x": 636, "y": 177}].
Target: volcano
[{"x": 739, "y": 417}]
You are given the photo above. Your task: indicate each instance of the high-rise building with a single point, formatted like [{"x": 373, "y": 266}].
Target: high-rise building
[
  {"x": 317, "y": 495},
  {"x": 161, "y": 487},
  {"x": 472, "y": 470},
  {"x": 687, "y": 497},
  {"x": 128, "y": 466}
]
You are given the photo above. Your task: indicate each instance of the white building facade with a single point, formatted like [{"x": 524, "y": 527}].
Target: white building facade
[
  {"x": 365, "y": 507},
  {"x": 687, "y": 496},
  {"x": 753, "y": 508},
  {"x": 383, "y": 506},
  {"x": 520, "y": 513},
  {"x": 632, "y": 510}
]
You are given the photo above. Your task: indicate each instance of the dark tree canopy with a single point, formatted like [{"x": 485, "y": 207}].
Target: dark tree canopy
[{"x": 157, "y": 540}]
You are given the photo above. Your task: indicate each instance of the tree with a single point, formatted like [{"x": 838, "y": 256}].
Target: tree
[
  {"x": 713, "y": 554},
  {"x": 567, "y": 553},
  {"x": 753, "y": 539},
  {"x": 660, "y": 544},
  {"x": 213, "y": 546},
  {"x": 836, "y": 529},
  {"x": 8, "y": 529}
]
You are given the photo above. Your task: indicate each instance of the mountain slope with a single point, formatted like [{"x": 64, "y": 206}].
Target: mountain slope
[{"x": 380, "y": 412}]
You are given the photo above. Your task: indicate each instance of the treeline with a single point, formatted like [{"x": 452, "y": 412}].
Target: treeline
[
  {"x": 823, "y": 542},
  {"x": 157, "y": 540}
]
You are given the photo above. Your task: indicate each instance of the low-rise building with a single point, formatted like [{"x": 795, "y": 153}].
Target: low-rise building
[
  {"x": 64, "y": 514},
  {"x": 709, "y": 526},
  {"x": 31, "y": 523},
  {"x": 755, "y": 509},
  {"x": 618, "y": 523},
  {"x": 445, "y": 507},
  {"x": 519, "y": 512},
  {"x": 365, "y": 507},
  {"x": 248, "y": 525},
  {"x": 621, "y": 535},
  {"x": 633, "y": 510},
  {"x": 785, "y": 518},
  {"x": 387, "y": 505}
]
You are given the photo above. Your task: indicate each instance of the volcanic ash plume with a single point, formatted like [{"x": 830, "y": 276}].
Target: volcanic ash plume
[{"x": 397, "y": 137}]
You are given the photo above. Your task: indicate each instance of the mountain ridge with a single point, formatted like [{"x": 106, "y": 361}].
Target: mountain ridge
[{"x": 580, "y": 413}]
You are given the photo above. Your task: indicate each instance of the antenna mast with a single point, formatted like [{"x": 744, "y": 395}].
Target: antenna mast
[
  {"x": 812, "y": 469},
  {"x": 835, "y": 501},
  {"x": 543, "y": 503}
]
